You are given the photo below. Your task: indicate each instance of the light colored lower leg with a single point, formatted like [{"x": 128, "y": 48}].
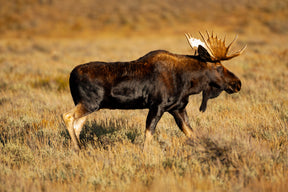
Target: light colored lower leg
[
  {"x": 148, "y": 137},
  {"x": 188, "y": 131},
  {"x": 78, "y": 125},
  {"x": 70, "y": 117},
  {"x": 69, "y": 122}
]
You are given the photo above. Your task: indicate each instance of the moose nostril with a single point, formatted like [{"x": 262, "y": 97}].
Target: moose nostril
[{"x": 238, "y": 86}]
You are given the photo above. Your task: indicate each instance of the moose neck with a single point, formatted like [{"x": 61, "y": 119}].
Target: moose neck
[{"x": 195, "y": 76}]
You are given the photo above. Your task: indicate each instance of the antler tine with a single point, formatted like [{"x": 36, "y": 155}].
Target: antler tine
[
  {"x": 207, "y": 33},
  {"x": 188, "y": 36},
  {"x": 236, "y": 36},
  {"x": 206, "y": 43},
  {"x": 236, "y": 54},
  {"x": 242, "y": 50}
]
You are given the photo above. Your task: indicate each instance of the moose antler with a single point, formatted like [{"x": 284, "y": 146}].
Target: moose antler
[
  {"x": 217, "y": 48},
  {"x": 193, "y": 42}
]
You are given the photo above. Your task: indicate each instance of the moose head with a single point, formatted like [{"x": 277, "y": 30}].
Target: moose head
[{"x": 213, "y": 51}]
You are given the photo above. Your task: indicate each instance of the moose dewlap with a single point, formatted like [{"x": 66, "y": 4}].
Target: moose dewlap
[{"x": 159, "y": 81}]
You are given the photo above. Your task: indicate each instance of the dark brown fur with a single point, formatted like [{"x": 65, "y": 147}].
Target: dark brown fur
[{"x": 160, "y": 81}]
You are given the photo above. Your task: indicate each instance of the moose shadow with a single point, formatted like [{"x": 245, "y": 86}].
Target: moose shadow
[
  {"x": 103, "y": 134},
  {"x": 213, "y": 151}
]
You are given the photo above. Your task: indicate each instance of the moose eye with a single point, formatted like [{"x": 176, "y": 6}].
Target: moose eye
[{"x": 219, "y": 69}]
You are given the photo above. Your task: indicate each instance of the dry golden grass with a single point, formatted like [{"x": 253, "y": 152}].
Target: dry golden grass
[
  {"x": 30, "y": 18},
  {"x": 243, "y": 138}
]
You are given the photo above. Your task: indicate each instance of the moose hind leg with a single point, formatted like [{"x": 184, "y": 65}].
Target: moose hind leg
[
  {"x": 69, "y": 119},
  {"x": 154, "y": 115},
  {"x": 78, "y": 125},
  {"x": 74, "y": 126}
]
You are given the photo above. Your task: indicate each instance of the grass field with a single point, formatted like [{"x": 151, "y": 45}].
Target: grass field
[{"x": 243, "y": 138}]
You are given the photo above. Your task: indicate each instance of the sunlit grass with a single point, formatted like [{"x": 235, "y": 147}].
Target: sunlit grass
[{"x": 242, "y": 142}]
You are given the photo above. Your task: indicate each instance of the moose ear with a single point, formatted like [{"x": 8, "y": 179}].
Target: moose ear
[{"x": 203, "y": 53}]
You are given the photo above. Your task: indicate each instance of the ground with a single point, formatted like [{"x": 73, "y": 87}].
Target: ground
[{"x": 243, "y": 138}]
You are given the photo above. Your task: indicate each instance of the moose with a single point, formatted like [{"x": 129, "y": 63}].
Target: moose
[{"x": 159, "y": 81}]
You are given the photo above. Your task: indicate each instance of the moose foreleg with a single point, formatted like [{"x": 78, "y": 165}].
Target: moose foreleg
[
  {"x": 209, "y": 93},
  {"x": 182, "y": 121}
]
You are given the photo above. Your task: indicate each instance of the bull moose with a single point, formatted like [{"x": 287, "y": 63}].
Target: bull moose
[{"x": 159, "y": 81}]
